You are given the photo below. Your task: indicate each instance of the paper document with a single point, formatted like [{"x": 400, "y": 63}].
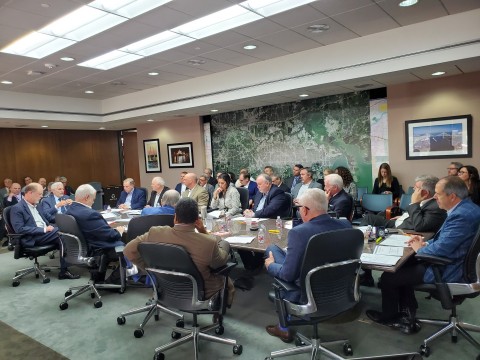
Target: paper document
[
  {"x": 240, "y": 239},
  {"x": 242, "y": 218},
  {"x": 388, "y": 250},
  {"x": 395, "y": 240},
  {"x": 109, "y": 216},
  {"x": 214, "y": 214},
  {"x": 379, "y": 259},
  {"x": 134, "y": 212},
  {"x": 122, "y": 221}
]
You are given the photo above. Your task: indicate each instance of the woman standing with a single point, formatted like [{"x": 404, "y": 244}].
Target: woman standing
[
  {"x": 469, "y": 174},
  {"x": 386, "y": 183},
  {"x": 348, "y": 184},
  {"x": 226, "y": 197}
]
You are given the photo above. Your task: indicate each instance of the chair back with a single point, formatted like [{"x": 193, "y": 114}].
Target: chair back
[
  {"x": 376, "y": 202},
  {"x": 288, "y": 206},
  {"x": 13, "y": 237},
  {"x": 361, "y": 191},
  {"x": 140, "y": 225},
  {"x": 471, "y": 266},
  {"x": 74, "y": 244},
  {"x": 8, "y": 224},
  {"x": 405, "y": 200},
  {"x": 176, "y": 275},
  {"x": 98, "y": 203},
  {"x": 410, "y": 190},
  {"x": 328, "y": 277},
  {"x": 145, "y": 191},
  {"x": 243, "y": 197}
]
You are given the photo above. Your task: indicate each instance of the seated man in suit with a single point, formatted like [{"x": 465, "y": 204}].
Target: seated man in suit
[
  {"x": 210, "y": 179},
  {"x": 286, "y": 265},
  {"x": 56, "y": 202},
  {"x": 245, "y": 181},
  {"x": 452, "y": 241},
  {"x": 29, "y": 221},
  {"x": 293, "y": 180},
  {"x": 202, "y": 181},
  {"x": 180, "y": 187},
  {"x": 68, "y": 190},
  {"x": 306, "y": 176},
  {"x": 277, "y": 180},
  {"x": 195, "y": 191},
  {"x": 42, "y": 181},
  {"x": 158, "y": 189},
  {"x": 4, "y": 191},
  {"x": 14, "y": 195},
  {"x": 207, "y": 251},
  {"x": 169, "y": 201},
  {"x": 100, "y": 237},
  {"x": 131, "y": 198},
  {"x": 269, "y": 202},
  {"x": 338, "y": 200}
]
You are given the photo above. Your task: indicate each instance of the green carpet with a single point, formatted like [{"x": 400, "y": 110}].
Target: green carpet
[{"x": 15, "y": 345}]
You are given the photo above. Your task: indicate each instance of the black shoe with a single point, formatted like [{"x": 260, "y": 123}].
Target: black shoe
[
  {"x": 67, "y": 275},
  {"x": 367, "y": 281},
  {"x": 378, "y": 318}
]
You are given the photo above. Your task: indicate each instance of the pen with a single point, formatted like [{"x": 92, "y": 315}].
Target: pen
[
  {"x": 378, "y": 240},
  {"x": 274, "y": 231}
]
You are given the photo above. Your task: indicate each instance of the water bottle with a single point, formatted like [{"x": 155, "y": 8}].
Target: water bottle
[
  {"x": 279, "y": 226},
  {"x": 109, "y": 209},
  {"x": 228, "y": 222},
  {"x": 261, "y": 235}
]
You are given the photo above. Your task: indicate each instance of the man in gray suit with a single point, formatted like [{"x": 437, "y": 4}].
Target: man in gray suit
[
  {"x": 306, "y": 176},
  {"x": 4, "y": 191},
  {"x": 195, "y": 191}
]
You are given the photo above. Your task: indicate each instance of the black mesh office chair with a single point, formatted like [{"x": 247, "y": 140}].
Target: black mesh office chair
[
  {"x": 78, "y": 254},
  {"x": 139, "y": 226},
  {"x": 32, "y": 253},
  {"x": 181, "y": 287},
  {"x": 328, "y": 286},
  {"x": 452, "y": 294},
  {"x": 287, "y": 214},
  {"x": 243, "y": 197}
]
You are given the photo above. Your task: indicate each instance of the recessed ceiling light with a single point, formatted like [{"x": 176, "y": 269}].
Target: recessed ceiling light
[
  {"x": 153, "y": 73},
  {"x": 214, "y": 110},
  {"x": 6, "y": 82},
  {"x": 45, "y": 6},
  {"x": 44, "y": 126},
  {"x": 67, "y": 58},
  {"x": 149, "y": 120},
  {"x": 101, "y": 128},
  {"x": 438, "y": 73},
  {"x": 318, "y": 28},
  {"x": 250, "y": 47},
  {"x": 89, "y": 92},
  {"x": 303, "y": 95},
  {"x": 407, "y": 3}
]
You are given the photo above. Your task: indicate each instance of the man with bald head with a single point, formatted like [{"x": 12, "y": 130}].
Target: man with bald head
[
  {"x": 131, "y": 197},
  {"x": 158, "y": 189},
  {"x": 269, "y": 202},
  {"x": 14, "y": 195},
  {"x": 195, "y": 191}
]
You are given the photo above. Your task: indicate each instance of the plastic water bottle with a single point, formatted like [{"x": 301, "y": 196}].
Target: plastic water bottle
[
  {"x": 109, "y": 209},
  {"x": 279, "y": 224},
  {"x": 261, "y": 235}
]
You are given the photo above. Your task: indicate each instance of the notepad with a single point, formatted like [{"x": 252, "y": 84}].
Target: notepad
[
  {"x": 376, "y": 259},
  {"x": 388, "y": 250},
  {"x": 395, "y": 240},
  {"x": 240, "y": 239},
  {"x": 109, "y": 216}
]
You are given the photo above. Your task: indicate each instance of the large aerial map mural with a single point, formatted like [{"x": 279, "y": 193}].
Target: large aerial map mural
[{"x": 324, "y": 132}]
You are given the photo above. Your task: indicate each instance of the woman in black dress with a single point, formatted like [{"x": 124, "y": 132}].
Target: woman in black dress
[{"x": 386, "y": 183}]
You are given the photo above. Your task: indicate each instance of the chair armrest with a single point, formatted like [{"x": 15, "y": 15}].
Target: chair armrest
[
  {"x": 224, "y": 270},
  {"x": 284, "y": 285},
  {"x": 388, "y": 212},
  {"x": 119, "y": 249},
  {"x": 434, "y": 260}
]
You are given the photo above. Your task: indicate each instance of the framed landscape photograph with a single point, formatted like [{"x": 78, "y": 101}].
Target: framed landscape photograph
[
  {"x": 151, "y": 148},
  {"x": 439, "y": 138},
  {"x": 180, "y": 155}
]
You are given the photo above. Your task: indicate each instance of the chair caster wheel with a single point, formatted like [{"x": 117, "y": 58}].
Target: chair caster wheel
[
  {"x": 299, "y": 342},
  {"x": 219, "y": 330},
  {"x": 347, "y": 349},
  {"x": 10, "y": 247},
  {"x": 37, "y": 276},
  {"x": 156, "y": 317},
  {"x": 454, "y": 339},
  {"x": 121, "y": 320},
  {"x": 180, "y": 323},
  {"x": 15, "y": 283},
  {"x": 424, "y": 350},
  {"x": 138, "y": 333},
  {"x": 176, "y": 335},
  {"x": 159, "y": 356},
  {"x": 97, "y": 304},
  {"x": 68, "y": 293},
  {"x": 46, "y": 280},
  {"x": 63, "y": 306},
  {"x": 121, "y": 290},
  {"x": 237, "y": 349}
]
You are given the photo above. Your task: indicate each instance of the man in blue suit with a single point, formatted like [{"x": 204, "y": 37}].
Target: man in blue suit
[
  {"x": 100, "y": 237},
  {"x": 169, "y": 200},
  {"x": 269, "y": 202},
  {"x": 131, "y": 198},
  {"x": 286, "y": 265},
  {"x": 251, "y": 185},
  {"x": 14, "y": 195},
  {"x": 338, "y": 200},
  {"x": 29, "y": 221},
  {"x": 452, "y": 241},
  {"x": 56, "y": 202}
]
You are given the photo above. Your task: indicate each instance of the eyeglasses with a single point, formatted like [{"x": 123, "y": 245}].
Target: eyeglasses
[
  {"x": 463, "y": 172},
  {"x": 306, "y": 207}
]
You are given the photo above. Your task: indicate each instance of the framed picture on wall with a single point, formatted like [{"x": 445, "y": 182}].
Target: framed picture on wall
[
  {"x": 180, "y": 155},
  {"x": 439, "y": 138},
  {"x": 153, "y": 163}
]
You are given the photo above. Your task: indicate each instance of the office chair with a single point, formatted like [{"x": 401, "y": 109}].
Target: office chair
[
  {"x": 32, "y": 253},
  {"x": 452, "y": 294},
  {"x": 243, "y": 197},
  {"x": 287, "y": 214},
  {"x": 393, "y": 211},
  {"x": 376, "y": 202},
  {"x": 329, "y": 289},
  {"x": 181, "y": 287},
  {"x": 98, "y": 203},
  {"x": 77, "y": 253},
  {"x": 139, "y": 226}
]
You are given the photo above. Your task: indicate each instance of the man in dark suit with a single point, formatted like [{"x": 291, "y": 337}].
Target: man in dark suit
[
  {"x": 245, "y": 181},
  {"x": 286, "y": 265},
  {"x": 338, "y": 200},
  {"x": 29, "y": 221},
  {"x": 67, "y": 190},
  {"x": 180, "y": 187},
  {"x": 4, "y": 191},
  {"x": 158, "y": 189},
  {"x": 131, "y": 198},
  {"x": 295, "y": 178},
  {"x": 211, "y": 180},
  {"x": 14, "y": 196},
  {"x": 277, "y": 180},
  {"x": 100, "y": 237},
  {"x": 56, "y": 202},
  {"x": 269, "y": 202},
  {"x": 452, "y": 242}
]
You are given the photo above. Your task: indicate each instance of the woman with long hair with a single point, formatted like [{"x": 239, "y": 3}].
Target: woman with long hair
[
  {"x": 348, "y": 184},
  {"x": 386, "y": 183},
  {"x": 226, "y": 197},
  {"x": 469, "y": 174}
]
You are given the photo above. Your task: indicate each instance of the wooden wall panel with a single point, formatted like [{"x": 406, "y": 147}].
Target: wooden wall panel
[
  {"x": 130, "y": 156},
  {"x": 81, "y": 156}
]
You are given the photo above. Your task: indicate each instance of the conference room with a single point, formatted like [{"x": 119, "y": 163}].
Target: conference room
[{"x": 330, "y": 83}]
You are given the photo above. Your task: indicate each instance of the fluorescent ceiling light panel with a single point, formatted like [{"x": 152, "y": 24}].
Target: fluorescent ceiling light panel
[
  {"x": 272, "y": 7},
  {"x": 157, "y": 43},
  {"x": 128, "y": 8},
  {"x": 110, "y": 60}
]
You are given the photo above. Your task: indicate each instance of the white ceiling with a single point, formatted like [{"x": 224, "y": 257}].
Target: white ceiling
[{"x": 277, "y": 36}]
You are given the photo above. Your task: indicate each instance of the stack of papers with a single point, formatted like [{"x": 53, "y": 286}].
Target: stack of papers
[
  {"x": 376, "y": 259},
  {"x": 396, "y": 240},
  {"x": 134, "y": 212},
  {"x": 240, "y": 239},
  {"x": 109, "y": 216}
]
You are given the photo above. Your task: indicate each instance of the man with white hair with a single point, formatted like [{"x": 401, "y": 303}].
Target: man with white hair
[
  {"x": 158, "y": 189},
  {"x": 95, "y": 229},
  {"x": 56, "y": 202},
  {"x": 168, "y": 203},
  {"x": 338, "y": 200},
  {"x": 286, "y": 265},
  {"x": 131, "y": 197}
]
